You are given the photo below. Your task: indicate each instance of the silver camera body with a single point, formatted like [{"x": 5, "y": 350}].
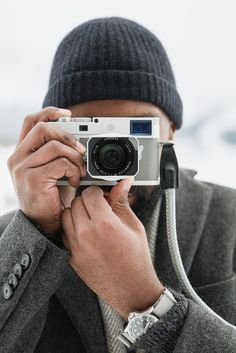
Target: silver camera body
[{"x": 117, "y": 148}]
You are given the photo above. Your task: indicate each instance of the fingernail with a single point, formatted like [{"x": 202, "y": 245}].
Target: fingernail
[
  {"x": 63, "y": 110},
  {"x": 84, "y": 170},
  {"x": 63, "y": 113},
  {"x": 131, "y": 180}
]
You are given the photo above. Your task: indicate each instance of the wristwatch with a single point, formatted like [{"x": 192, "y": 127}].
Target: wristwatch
[{"x": 140, "y": 322}]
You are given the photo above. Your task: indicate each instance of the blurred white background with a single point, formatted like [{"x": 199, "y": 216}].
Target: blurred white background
[{"x": 199, "y": 37}]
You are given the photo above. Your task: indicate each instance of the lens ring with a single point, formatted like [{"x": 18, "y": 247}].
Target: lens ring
[{"x": 113, "y": 156}]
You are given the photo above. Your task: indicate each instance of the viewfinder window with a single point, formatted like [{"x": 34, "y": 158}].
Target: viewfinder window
[
  {"x": 141, "y": 127},
  {"x": 83, "y": 128}
]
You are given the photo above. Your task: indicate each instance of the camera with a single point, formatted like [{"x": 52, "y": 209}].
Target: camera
[{"x": 117, "y": 148}]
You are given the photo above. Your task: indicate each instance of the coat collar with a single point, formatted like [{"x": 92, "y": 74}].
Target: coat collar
[{"x": 81, "y": 303}]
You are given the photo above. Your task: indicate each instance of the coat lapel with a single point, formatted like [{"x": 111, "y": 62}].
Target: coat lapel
[
  {"x": 192, "y": 205},
  {"x": 82, "y": 305}
]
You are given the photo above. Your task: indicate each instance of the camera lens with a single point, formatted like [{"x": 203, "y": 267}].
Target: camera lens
[{"x": 112, "y": 156}]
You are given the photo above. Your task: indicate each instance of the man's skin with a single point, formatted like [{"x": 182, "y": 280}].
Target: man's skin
[{"x": 107, "y": 242}]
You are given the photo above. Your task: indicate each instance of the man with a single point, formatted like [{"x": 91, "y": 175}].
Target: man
[{"x": 76, "y": 262}]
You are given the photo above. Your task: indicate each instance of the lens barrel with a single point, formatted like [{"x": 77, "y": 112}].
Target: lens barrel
[{"x": 112, "y": 156}]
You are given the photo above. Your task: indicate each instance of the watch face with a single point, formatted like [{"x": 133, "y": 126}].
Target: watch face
[{"x": 140, "y": 324}]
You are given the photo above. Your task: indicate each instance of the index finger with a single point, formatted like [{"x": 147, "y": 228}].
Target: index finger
[
  {"x": 46, "y": 114},
  {"x": 42, "y": 133}
]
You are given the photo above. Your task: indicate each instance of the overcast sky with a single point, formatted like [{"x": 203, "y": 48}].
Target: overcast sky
[{"x": 199, "y": 37}]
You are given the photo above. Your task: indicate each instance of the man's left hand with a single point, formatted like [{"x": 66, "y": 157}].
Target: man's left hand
[{"x": 109, "y": 249}]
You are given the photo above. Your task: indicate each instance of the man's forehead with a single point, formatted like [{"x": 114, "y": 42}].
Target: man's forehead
[{"x": 120, "y": 108}]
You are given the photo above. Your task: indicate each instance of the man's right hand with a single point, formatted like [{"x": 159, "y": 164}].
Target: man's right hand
[{"x": 43, "y": 155}]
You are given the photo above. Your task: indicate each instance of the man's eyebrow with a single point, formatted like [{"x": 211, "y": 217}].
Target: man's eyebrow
[{"x": 146, "y": 115}]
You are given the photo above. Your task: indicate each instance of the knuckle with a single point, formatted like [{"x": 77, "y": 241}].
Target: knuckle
[
  {"x": 51, "y": 111},
  {"x": 68, "y": 138},
  {"x": 120, "y": 204},
  {"x": 28, "y": 118},
  {"x": 105, "y": 223},
  {"x": 64, "y": 161},
  {"x": 140, "y": 226},
  {"x": 54, "y": 145},
  {"x": 41, "y": 127},
  {"x": 50, "y": 108},
  {"x": 74, "y": 180},
  {"x": 10, "y": 162},
  {"x": 16, "y": 173}
]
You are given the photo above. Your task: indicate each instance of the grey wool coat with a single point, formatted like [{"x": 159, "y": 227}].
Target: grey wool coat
[{"x": 52, "y": 310}]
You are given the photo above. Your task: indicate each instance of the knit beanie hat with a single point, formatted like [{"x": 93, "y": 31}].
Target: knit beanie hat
[{"x": 113, "y": 58}]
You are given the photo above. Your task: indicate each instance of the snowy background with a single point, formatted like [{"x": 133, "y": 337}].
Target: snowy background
[{"x": 199, "y": 37}]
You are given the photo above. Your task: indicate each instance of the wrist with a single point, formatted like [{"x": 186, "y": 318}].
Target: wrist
[
  {"x": 53, "y": 234},
  {"x": 53, "y": 229},
  {"x": 143, "y": 300}
]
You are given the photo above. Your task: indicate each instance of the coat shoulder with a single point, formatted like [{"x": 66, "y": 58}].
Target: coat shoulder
[
  {"x": 5, "y": 220},
  {"x": 223, "y": 198},
  {"x": 221, "y": 190}
]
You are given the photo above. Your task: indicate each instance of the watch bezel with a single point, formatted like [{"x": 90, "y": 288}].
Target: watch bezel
[
  {"x": 155, "y": 311},
  {"x": 147, "y": 316}
]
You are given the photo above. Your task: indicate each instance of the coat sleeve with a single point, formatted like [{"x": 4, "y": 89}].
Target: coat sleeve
[
  {"x": 26, "y": 304},
  {"x": 187, "y": 327}
]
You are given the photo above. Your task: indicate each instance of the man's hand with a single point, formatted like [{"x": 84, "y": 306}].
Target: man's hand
[
  {"x": 109, "y": 249},
  {"x": 43, "y": 155}
]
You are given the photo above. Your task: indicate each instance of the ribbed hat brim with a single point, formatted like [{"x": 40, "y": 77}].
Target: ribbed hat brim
[{"x": 86, "y": 86}]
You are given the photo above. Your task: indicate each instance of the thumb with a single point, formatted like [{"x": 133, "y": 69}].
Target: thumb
[{"x": 118, "y": 199}]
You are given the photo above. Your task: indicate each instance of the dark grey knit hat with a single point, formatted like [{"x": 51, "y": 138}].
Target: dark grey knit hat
[{"x": 113, "y": 58}]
